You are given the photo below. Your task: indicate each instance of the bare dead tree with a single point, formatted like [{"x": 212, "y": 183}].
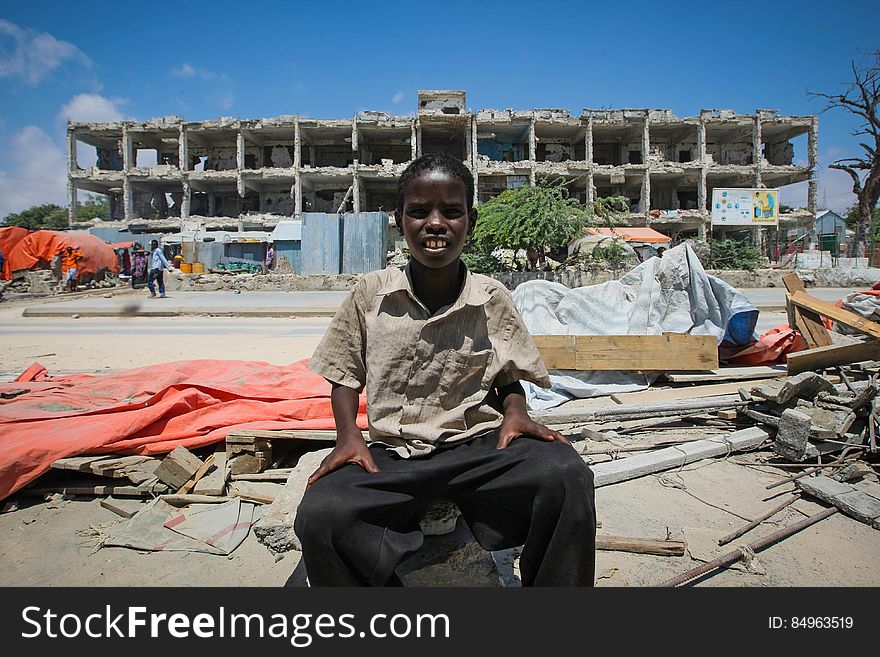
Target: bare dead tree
[{"x": 862, "y": 99}]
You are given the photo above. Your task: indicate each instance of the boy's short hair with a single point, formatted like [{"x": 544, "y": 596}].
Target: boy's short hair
[{"x": 436, "y": 162}]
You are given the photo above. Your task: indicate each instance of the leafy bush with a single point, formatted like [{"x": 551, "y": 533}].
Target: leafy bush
[
  {"x": 614, "y": 253},
  {"x": 734, "y": 254},
  {"x": 481, "y": 263}
]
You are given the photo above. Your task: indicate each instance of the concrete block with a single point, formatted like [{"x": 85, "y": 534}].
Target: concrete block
[{"x": 793, "y": 436}]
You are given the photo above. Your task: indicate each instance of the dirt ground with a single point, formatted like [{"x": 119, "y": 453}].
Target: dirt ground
[{"x": 46, "y": 543}]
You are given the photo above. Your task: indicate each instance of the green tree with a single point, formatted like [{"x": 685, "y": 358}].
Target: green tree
[
  {"x": 95, "y": 207},
  {"x": 530, "y": 218},
  {"x": 48, "y": 216},
  {"x": 734, "y": 254}
]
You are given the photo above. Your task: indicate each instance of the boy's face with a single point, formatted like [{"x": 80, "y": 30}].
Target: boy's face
[{"x": 435, "y": 220}]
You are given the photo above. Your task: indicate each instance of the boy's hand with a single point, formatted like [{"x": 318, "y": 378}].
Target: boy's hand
[
  {"x": 516, "y": 424},
  {"x": 354, "y": 451}
]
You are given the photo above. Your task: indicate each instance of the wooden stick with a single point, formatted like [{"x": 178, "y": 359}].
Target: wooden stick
[
  {"x": 757, "y": 521},
  {"x": 640, "y": 545},
  {"x": 203, "y": 468},
  {"x": 755, "y": 546}
]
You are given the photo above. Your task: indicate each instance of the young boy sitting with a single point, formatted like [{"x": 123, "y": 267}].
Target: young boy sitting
[{"x": 441, "y": 352}]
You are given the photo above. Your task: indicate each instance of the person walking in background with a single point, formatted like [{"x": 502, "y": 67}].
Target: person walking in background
[{"x": 158, "y": 264}]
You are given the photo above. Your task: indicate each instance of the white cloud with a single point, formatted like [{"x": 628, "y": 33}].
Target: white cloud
[
  {"x": 32, "y": 55},
  {"x": 184, "y": 71},
  {"x": 38, "y": 172},
  {"x": 396, "y": 98},
  {"x": 91, "y": 108}
]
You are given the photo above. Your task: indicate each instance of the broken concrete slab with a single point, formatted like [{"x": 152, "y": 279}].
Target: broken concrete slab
[
  {"x": 806, "y": 385},
  {"x": 793, "y": 435},
  {"x": 275, "y": 528},
  {"x": 853, "y": 501}
]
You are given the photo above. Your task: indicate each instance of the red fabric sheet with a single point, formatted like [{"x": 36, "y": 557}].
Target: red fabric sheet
[
  {"x": 9, "y": 237},
  {"x": 39, "y": 247},
  {"x": 152, "y": 410}
]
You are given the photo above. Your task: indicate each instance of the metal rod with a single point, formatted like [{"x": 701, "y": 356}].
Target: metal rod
[
  {"x": 808, "y": 471},
  {"x": 757, "y": 521},
  {"x": 755, "y": 546}
]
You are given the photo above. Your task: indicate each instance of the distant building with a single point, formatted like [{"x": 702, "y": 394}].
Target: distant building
[{"x": 233, "y": 174}]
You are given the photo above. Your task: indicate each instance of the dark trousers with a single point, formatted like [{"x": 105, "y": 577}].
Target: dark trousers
[
  {"x": 156, "y": 275},
  {"x": 356, "y": 527}
]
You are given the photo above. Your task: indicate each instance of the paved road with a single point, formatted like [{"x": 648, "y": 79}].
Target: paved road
[{"x": 283, "y": 304}]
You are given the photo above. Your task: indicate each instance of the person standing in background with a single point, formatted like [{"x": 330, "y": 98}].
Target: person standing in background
[{"x": 158, "y": 264}]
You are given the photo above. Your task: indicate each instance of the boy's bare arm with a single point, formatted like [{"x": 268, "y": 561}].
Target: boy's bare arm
[
  {"x": 517, "y": 422},
  {"x": 350, "y": 444}
]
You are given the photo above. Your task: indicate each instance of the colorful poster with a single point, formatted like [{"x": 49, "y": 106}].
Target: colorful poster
[{"x": 738, "y": 206}]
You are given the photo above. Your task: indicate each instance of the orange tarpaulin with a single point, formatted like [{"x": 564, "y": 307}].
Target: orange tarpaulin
[
  {"x": 630, "y": 234},
  {"x": 152, "y": 410},
  {"x": 9, "y": 237},
  {"x": 40, "y": 246}
]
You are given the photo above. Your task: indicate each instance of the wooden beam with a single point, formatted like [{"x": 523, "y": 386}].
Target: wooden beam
[
  {"x": 192, "y": 481},
  {"x": 662, "y": 548},
  {"x": 822, "y": 357},
  {"x": 727, "y": 374},
  {"x": 807, "y": 322},
  {"x": 670, "y": 351},
  {"x": 804, "y": 300}
]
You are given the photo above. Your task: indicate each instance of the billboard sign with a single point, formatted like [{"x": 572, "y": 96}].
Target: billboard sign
[{"x": 739, "y": 206}]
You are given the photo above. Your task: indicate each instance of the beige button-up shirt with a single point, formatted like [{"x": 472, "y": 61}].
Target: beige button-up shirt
[{"x": 429, "y": 378}]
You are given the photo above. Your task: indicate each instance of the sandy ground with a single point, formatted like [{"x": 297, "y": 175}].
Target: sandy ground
[{"x": 42, "y": 543}]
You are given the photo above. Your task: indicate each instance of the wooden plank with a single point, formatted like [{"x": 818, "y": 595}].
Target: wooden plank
[
  {"x": 670, "y": 351},
  {"x": 280, "y": 474},
  {"x": 244, "y": 436},
  {"x": 85, "y": 489},
  {"x": 727, "y": 374},
  {"x": 124, "y": 508},
  {"x": 214, "y": 483},
  {"x": 80, "y": 463},
  {"x": 662, "y": 548},
  {"x": 176, "y": 468},
  {"x": 117, "y": 467},
  {"x": 612, "y": 472},
  {"x": 804, "y": 300},
  {"x": 822, "y": 357},
  {"x": 262, "y": 492},
  {"x": 671, "y": 394},
  {"x": 806, "y": 321}
]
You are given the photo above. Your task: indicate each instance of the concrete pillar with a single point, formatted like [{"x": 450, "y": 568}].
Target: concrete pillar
[
  {"x": 186, "y": 202},
  {"x": 127, "y": 199},
  {"x": 813, "y": 155},
  {"x": 297, "y": 195},
  {"x": 646, "y": 139},
  {"x": 72, "y": 164},
  {"x": 475, "y": 159},
  {"x": 702, "y": 187},
  {"x": 356, "y": 192},
  {"x": 756, "y": 149},
  {"x": 645, "y": 200},
  {"x": 183, "y": 149},
  {"x": 418, "y": 137},
  {"x": 239, "y": 162},
  {"x": 469, "y": 154},
  {"x": 297, "y": 143},
  {"x": 354, "y": 140},
  {"x": 71, "y": 202},
  {"x": 533, "y": 143},
  {"x": 413, "y": 140},
  {"x": 588, "y": 142},
  {"x": 591, "y": 192},
  {"x": 127, "y": 155}
]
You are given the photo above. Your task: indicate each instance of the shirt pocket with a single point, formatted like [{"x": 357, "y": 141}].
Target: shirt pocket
[{"x": 463, "y": 376}]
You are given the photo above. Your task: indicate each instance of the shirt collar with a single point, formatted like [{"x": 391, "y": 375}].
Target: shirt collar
[{"x": 471, "y": 294}]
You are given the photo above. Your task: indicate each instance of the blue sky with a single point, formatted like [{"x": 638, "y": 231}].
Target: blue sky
[{"x": 96, "y": 60}]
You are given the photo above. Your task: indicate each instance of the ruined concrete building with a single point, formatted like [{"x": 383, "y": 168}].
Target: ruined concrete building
[{"x": 249, "y": 174}]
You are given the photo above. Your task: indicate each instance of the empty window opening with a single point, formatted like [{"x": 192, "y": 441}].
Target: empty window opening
[{"x": 146, "y": 158}]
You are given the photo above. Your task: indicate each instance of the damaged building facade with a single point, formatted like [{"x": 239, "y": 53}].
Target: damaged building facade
[{"x": 249, "y": 174}]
